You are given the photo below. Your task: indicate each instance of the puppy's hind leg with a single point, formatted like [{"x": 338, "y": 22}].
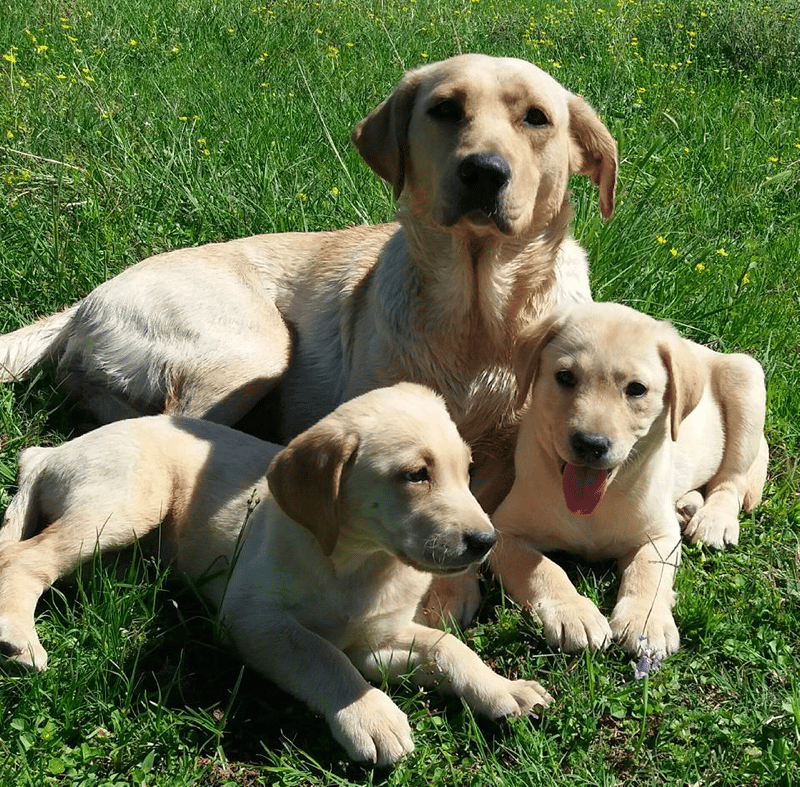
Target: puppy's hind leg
[
  {"x": 59, "y": 530},
  {"x": 738, "y": 383}
]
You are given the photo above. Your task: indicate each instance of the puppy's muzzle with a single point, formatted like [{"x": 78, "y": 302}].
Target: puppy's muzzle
[
  {"x": 482, "y": 178},
  {"x": 477, "y": 544},
  {"x": 589, "y": 448}
]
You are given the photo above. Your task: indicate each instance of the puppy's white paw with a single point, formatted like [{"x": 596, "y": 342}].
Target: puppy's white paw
[
  {"x": 714, "y": 525},
  {"x": 21, "y": 644},
  {"x": 453, "y": 598},
  {"x": 373, "y": 729},
  {"x": 633, "y": 620},
  {"x": 574, "y": 624},
  {"x": 499, "y": 698}
]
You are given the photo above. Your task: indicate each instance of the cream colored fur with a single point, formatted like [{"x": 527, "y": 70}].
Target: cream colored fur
[
  {"x": 325, "y": 316},
  {"x": 319, "y": 590},
  {"x": 683, "y": 427}
]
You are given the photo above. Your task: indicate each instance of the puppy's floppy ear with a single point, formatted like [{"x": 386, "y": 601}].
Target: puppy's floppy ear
[
  {"x": 305, "y": 477},
  {"x": 382, "y": 136},
  {"x": 528, "y": 350},
  {"x": 687, "y": 377},
  {"x": 593, "y": 152}
]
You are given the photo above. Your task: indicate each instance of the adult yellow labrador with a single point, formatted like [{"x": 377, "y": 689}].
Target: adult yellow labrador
[
  {"x": 478, "y": 151},
  {"x": 320, "y": 587},
  {"x": 630, "y": 432}
]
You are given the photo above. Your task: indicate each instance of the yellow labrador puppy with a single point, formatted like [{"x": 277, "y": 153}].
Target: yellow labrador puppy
[
  {"x": 626, "y": 420},
  {"x": 479, "y": 151},
  {"x": 320, "y": 587}
]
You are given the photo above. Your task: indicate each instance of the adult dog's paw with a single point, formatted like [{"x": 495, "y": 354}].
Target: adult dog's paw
[
  {"x": 373, "y": 729},
  {"x": 454, "y": 598},
  {"x": 21, "y": 644},
  {"x": 573, "y": 624}
]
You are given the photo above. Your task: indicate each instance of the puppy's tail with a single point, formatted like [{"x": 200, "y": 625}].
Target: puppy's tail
[
  {"x": 26, "y": 348},
  {"x": 23, "y": 515}
]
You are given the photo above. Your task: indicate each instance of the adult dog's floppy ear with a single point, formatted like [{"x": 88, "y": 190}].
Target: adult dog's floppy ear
[
  {"x": 686, "y": 377},
  {"x": 528, "y": 350},
  {"x": 305, "y": 477},
  {"x": 382, "y": 136},
  {"x": 593, "y": 152}
]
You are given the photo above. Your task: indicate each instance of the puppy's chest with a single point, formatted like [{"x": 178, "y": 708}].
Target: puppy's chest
[
  {"x": 349, "y": 608},
  {"x": 616, "y": 528}
]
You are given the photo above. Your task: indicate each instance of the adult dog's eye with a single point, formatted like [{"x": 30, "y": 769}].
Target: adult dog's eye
[
  {"x": 535, "y": 117},
  {"x": 566, "y": 379},
  {"x": 635, "y": 390},
  {"x": 419, "y": 476},
  {"x": 447, "y": 110}
]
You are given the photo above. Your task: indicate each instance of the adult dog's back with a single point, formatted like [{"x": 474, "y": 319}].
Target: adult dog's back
[{"x": 478, "y": 151}]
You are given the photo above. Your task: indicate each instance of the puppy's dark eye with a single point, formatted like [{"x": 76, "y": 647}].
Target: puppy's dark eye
[
  {"x": 635, "y": 390},
  {"x": 535, "y": 117},
  {"x": 566, "y": 379},
  {"x": 419, "y": 476},
  {"x": 447, "y": 110}
]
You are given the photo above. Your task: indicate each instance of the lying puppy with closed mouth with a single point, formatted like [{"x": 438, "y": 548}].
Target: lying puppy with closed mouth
[
  {"x": 320, "y": 588},
  {"x": 630, "y": 431}
]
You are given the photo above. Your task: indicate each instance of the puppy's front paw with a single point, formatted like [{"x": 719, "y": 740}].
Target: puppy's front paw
[
  {"x": 714, "y": 524},
  {"x": 573, "y": 625},
  {"x": 373, "y": 729},
  {"x": 454, "y": 598},
  {"x": 499, "y": 698},
  {"x": 633, "y": 621},
  {"x": 21, "y": 644}
]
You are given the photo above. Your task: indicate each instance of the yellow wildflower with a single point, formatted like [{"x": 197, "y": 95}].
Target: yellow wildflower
[
  {"x": 661, "y": 239},
  {"x": 722, "y": 253}
]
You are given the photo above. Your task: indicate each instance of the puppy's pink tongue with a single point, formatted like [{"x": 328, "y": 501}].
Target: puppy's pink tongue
[{"x": 583, "y": 488}]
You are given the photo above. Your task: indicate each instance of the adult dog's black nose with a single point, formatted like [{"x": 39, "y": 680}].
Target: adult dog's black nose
[
  {"x": 589, "y": 446},
  {"x": 484, "y": 173},
  {"x": 479, "y": 542}
]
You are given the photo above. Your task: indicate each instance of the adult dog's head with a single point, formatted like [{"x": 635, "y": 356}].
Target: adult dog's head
[
  {"x": 608, "y": 385},
  {"x": 386, "y": 471},
  {"x": 486, "y": 144}
]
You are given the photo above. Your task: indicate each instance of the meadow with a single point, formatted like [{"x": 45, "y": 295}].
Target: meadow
[{"x": 134, "y": 126}]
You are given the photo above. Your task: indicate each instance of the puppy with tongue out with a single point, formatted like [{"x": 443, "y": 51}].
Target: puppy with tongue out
[
  {"x": 627, "y": 429},
  {"x": 594, "y": 474}
]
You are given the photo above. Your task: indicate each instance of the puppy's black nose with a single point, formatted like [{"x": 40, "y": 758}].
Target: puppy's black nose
[
  {"x": 478, "y": 543},
  {"x": 484, "y": 173},
  {"x": 589, "y": 446}
]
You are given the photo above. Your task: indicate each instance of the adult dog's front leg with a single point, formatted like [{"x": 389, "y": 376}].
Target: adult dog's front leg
[
  {"x": 571, "y": 621},
  {"x": 642, "y": 620},
  {"x": 362, "y": 718},
  {"x": 437, "y": 659}
]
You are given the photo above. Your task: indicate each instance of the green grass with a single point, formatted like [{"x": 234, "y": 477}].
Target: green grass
[{"x": 139, "y": 129}]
